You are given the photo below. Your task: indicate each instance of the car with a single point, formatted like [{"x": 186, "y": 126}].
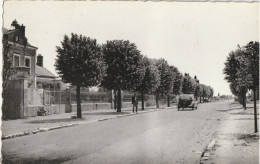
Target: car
[{"x": 187, "y": 101}]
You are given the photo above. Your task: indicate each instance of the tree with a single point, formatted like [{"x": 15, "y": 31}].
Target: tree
[
  {"x": 205, "y": 92},
  {"x": 166, "y": 80},
  {"x": 80, "y": 62},
  {"x": 211, "y": 92},
  {"x": 188, "y": 84},
  {"x": 177, "y": 81},
  {"x": 242, "y": 71},
  {"x": 8, "y": 72},
  {"x": 249, "y": 72},
  {"x": 231, "y": 71},
  {"x": 198, "y": 91},
  {"x": 124, "y": 67},
  {"x": 151, "y": 79}
]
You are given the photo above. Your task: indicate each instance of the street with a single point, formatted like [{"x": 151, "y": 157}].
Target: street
[{"x": 167, "y": 136}]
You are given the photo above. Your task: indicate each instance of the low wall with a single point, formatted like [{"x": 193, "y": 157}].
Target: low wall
[
  {"x": 31, "y": 110},
  {"x": 98, "y": 106},
  {"x": 91, "y": 106},
  {"x": 130, "y": 105}
]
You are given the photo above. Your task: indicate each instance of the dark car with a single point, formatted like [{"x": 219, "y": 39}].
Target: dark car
[{"x": 187, "y": 101}]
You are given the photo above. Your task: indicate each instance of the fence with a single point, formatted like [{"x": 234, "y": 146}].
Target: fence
[{"x": 13, "y": 102}]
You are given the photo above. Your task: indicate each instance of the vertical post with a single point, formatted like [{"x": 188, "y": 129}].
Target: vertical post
[
  {"x": 142, "y": 94},
  {"x": 119, "y": 103},
  {"x": 115, "y": 100},
  {"x": 157, "y": 100},
  {"x": 70, "y": 100},
  {"x": 60, "y": 101},
  {"x": 168, "y": 101},
  {"x": 255, "y": 114},
  {"x": 254, "y": 90},
  {"x": 78, "y": 103}
]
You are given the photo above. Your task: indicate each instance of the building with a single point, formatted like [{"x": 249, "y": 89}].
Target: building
[
  {"x": 27, "y": 64},
  {"x": 25, "y": 93}
]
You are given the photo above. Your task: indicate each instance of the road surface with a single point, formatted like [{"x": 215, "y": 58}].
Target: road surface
[{"x": 167, "y": 136}]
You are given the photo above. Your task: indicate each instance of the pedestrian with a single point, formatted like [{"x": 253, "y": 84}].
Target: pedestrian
[{"x": 133, "y": 102}]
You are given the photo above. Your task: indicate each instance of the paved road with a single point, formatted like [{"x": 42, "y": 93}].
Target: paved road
[{"x": 167, "y": 136}]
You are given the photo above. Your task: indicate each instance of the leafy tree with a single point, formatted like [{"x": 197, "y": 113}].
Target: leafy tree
[
  {"x": 249, "y": 71},
  {"x": 242, "y": 71},
  {"x": 8, "y": 72},
  {"x": 166, "y": 80},
  {"x": 205, "y": 92},
  {"x": 177, "y": 81},
  {"x": 151, "y": 79},
  {"x": 198, "y": 91},
  {"x": 188, "y": 84},
  {"x": 124, "y": 67},
  {"x": 80, "y": 62},
  {"x": 231, "y": 71},
  {"x": 211, "y": 92}
]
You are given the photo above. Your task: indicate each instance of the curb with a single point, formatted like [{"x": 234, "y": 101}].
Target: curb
[
  {"x": 35, "y": 131},
  {"x": 206, "y": 154}
]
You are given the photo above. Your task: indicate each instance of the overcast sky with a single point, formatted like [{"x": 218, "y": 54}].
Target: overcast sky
[{"x": 195, "y": 37}]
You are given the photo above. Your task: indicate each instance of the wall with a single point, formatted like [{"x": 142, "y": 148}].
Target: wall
[
  {"x": 33, "y": 100},
  {"x": 91, "y": 106},
  {"x": 26, "y": 51}
]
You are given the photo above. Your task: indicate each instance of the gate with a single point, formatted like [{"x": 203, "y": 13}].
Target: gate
[{"x": 14, "y": 100}]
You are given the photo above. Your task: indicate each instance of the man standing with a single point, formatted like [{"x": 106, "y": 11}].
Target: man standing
[{"x": 133, "y": 102}]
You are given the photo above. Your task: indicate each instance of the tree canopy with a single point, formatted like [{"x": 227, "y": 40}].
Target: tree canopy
[
  {"x": 242, "y": 72},
  {"x": 80, "y": 62},
  {"x": 188, "y": 84},
  {"x": 125, "y": 69}
]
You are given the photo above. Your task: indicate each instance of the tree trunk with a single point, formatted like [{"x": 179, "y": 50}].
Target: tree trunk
[
  {"x": 142, "y": 100},
  {"x": 244, "y": 97},
  {"x": 200, "y": 99},
  {"x": 245, "y": 100},
  {"x": 168, "y": 101},
  {"x": 255, "y": 111},
  {"x": 157, "y": 100},
  {"x": 240, "y": 99},
  {"x": 79, "y": 115},
  {"x": 119, "y": 102},
  {"x": 115, "y": 100}
]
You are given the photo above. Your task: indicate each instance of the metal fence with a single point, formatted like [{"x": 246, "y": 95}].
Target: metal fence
[{"x": 65, "y": 97}]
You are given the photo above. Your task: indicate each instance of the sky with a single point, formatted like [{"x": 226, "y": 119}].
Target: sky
[{"x": 194, "y": 37}]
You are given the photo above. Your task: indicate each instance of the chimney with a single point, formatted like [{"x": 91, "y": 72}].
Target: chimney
[
  {"x": 22, "y": 29},
  {"x": 40, "y": 60}
]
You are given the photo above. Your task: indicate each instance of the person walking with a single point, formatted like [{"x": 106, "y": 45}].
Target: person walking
[{"x": 133, "y": 102}]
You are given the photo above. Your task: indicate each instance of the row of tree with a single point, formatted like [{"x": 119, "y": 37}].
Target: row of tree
[
  {"x": 242, "y": 72},
  {"x": 118, "y": 65}
]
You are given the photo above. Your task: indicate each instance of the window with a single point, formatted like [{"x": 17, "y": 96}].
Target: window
[
  {"x": 16, "y": 60},
  {"x": 27, "y": 62}
]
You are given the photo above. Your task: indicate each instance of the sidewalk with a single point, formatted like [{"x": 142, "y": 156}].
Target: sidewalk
[
  {"x": 236, "y": 142},
  {"x": 32, "y": 125}
]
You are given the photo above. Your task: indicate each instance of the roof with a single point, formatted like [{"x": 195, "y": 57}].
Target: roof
[
  {"x": 6, "y": 31},
  {"x": 43, "y": 72}
]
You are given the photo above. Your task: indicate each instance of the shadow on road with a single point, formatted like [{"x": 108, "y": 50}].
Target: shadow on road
[{"x": 183, "y": 110}]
